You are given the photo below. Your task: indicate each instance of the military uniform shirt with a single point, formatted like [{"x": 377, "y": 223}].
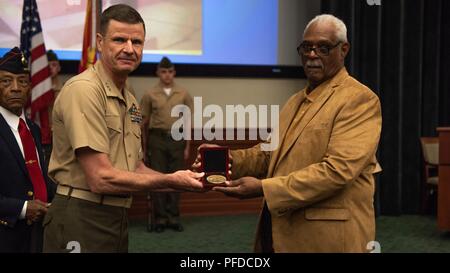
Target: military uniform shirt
[
  {"x": 156, "y": 105},
  {"x": 91, "y": 112}
]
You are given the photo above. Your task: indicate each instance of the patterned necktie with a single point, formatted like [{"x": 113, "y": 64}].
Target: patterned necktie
[{"x": 32, "y": 163}]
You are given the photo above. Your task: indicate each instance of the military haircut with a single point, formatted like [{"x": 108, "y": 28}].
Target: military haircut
[
  {"x": 51, "y": 55},
  {"x": 122, "y": 13}
]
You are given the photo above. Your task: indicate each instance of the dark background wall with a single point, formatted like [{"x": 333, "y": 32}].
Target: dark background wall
[{"x": 400, "y": 50}]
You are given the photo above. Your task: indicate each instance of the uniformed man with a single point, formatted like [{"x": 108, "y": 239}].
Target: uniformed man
[
  {"x": 163, "y": 153},
  {"x": 25, "y": 190},
  {"x": 96, "y": 157},
  {"x": 55, "y": 68}
]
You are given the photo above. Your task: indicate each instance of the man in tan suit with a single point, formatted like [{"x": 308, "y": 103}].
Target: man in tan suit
[{"x": 319, "y": 185}]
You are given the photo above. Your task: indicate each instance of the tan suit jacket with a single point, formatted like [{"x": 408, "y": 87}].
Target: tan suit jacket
[{"x": 320, "y": 186}]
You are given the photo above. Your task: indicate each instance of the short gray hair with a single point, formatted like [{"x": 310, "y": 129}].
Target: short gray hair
[{"x": 341, "y": 29}]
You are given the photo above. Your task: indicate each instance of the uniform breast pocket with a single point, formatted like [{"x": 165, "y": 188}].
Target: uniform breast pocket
[
  {"x": 133, "y": 139},
  {"x": 114, "y": 125},
  {"x": 155, "y": 108},
  {"x": 156, "y": 104},
  {"x": 136, "y": 130}
]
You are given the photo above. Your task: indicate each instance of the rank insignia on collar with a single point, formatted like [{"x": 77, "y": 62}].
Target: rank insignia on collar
[{"x": 135, "y": 114}]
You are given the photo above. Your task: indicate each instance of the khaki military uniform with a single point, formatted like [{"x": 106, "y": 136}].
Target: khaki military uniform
[
  {"x": 56, "y": 87},
  {"x": 91, "y": 112},
  {"x": 163, "y": 153}
]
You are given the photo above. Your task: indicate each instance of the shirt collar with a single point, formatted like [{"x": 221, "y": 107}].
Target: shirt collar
[
  {"x": 173, "y": 87},
  {"x": 108, "y": 84},
  {"x": 314, "y": 94},
  {"x": 11, "y": 118},
  {"x": 333, "y": 82}
]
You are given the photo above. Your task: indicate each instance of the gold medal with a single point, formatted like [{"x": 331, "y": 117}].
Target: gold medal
[{"x": 216, "y": 179}]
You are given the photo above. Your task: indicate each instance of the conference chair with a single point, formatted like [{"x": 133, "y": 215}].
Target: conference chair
[{"x": 430, "y": 151}]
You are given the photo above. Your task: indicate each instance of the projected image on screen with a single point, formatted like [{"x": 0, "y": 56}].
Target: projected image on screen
[
  {"x": 173, "y": 26},
  {"x": 238, "y": 32}
]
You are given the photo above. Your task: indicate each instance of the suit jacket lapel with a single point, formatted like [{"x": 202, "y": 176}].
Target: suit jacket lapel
[
  {"x": 297, "y": 129},
  {"x": 37, "y": 140},
  {"x": 326, "y": 90},
  {"x": 285, "y": 122},
  {"x": 10, "y": 140}
]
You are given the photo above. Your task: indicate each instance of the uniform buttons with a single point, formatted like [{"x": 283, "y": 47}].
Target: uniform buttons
[
  {"x": 30, "y": 193},
  {"x": 129, "y": 155}
]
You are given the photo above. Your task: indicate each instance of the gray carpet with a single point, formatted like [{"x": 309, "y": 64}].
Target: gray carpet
[
  {"x": 234, "y": 234},
  {"x": 202, "y": 234},
  {"x": 411, "y": 234}
]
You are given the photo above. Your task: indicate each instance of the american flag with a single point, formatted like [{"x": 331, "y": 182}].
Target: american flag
[{"x": 32, "y": 45}]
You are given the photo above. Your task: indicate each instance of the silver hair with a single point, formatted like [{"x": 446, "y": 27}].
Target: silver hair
[{"x": 341, "y": 29}]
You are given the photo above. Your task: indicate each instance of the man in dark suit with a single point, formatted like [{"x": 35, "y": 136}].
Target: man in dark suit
[{"x": 25, "y": 191}]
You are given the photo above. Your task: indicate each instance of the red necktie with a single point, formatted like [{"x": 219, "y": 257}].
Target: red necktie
[{"x": 32, "y": 163}]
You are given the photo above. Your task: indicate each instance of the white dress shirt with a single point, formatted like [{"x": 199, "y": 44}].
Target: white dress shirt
[{"x": 167, "y": 91}]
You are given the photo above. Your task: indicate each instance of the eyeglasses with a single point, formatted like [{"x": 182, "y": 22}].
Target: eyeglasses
[{"x": 320, "y": 50}]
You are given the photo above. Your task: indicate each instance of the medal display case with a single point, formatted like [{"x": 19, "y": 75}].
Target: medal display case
[{"x": 215, "y": 161}]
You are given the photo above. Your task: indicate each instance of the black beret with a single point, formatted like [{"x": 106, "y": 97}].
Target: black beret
[
  {"x": 165, "y": 63},
  {"x": 14, "y": 61},
  {"x": 51, "y": 55}
]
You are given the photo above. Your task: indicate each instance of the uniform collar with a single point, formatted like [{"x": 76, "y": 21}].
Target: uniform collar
[
  {"x": 108, "y": 84},
  {"x": 11, "y": 118},
  {"x": 174, "y": 88}
]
